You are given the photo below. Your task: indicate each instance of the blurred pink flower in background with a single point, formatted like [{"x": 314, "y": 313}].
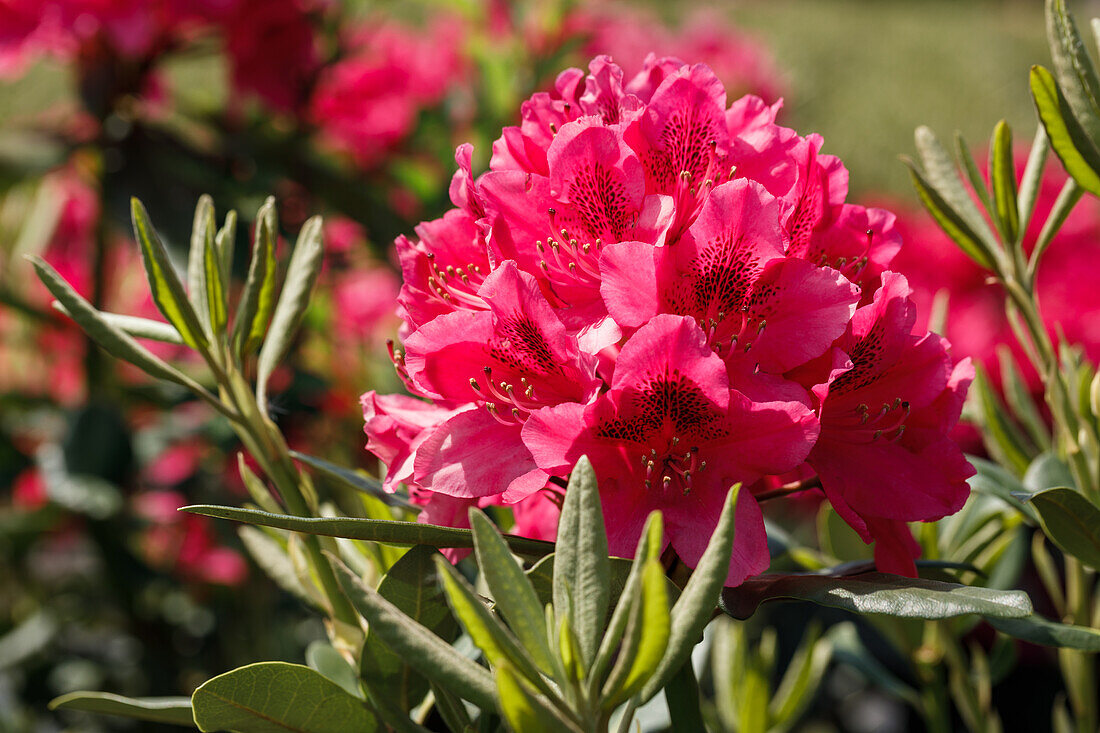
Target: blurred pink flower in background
[
  {"x": 184, "y": 543},
  {"x": 368, "y": 100}
]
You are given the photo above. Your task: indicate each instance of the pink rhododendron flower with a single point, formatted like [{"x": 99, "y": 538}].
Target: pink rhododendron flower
[
  {"x": 670, "y": 284},
  {"x": 368, "y": 101},
  {"x": 885, "y": 414}
]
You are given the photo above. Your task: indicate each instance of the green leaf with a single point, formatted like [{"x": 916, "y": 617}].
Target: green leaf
[
  {"x": 940, "y": 172},
  {"x": 302, "y": 272},
  {"x": 164, "y": 284},
  {"x": 523, "y": 708},
  {"x": 1033, "y": 176},
  {"x": 373, "y": 530},
  {"x": 950, "y": 221},
  {"x": 804, "y": 673},
  {"x": 882, "y": 593},
  {"x": 1076, "y": 74},
  {"x": 695, "y": 606},
  {"x": 226, "y": 241},
  {"x": 513, "y": 593},
  {"x": 994, "y": 480},
  {"x": 274, "y": 559},
  {"x": 355, "y": 480},
  {"x": 487, "y": 631},
  {"x": 216, "y": 299},
  {"x": 424, "y": 651},
  {"x": 1019, "y": 399},
  {"x": 278, "y": 697},
  {"x": 144, "y": 328},
  {"x": 581, "y": 569},
  {"x": 848, "y": 649},
  {"x": 649, "y": 548},
  {"x": 682, "y": 698},
  {"x": 323, "y": 657},
  {"x": 971, "y": 169},
  {"x": 412, "y": 586},
  {"x": 1047, "y": 471},
  {"x": 452, "y": 710},
  {"x": 1072, "y": 522},
  {"x": 645, "y": 639},
  {"x": 1002, "y": 174},
  {"x": 1039, "y": 630},
  {"x": 1001, "y": 436},
  {"x": 258, "y": 297},
  {"x": 169, "y": 710},
  {"x": 113, "y": 339},
  {"x": 1078, "y": 154},
  {"x": 202, "y": 228}
]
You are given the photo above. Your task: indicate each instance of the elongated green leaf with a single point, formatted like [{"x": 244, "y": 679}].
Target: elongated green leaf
[
  {"x": 950, "y": 221},
  {"x": 257, "y": 301},
  {"x": 1001, "y": 436},
  {"x": 487, "y": 631},
  {"x": 581, "y": 567},
  {"x": 803, "y": 675},
  {"x": 1002, "y": 176},
  {"x": 144, "y": 328},
  {"x": 513, "y": 593},
  {"x": 215, "y": 285},
  {"x": 116, "y": 341},
  {"x": 1073, "y": 67},
  {"x": 170, "y": 710},
  {"x": 646, "y": 637},
  {"x": 1079, "y": 156},
  {"x": 165, "y": 285},
  {"x": 1039, "y": 630},
  {"x": 994, "y": 480},
  {"x": 1047, "y": 471},
  {"x": 524, "y": 709},
  {"x": 424, "y": 651},
  {"x": 682, "y": 697},
  {"x": 278, "y": 697},
  {"x": 374, "y": 530},
  {"x": 1020, "y": 400},
  {"x": 1033, "y": 175},
  {"x": 226, "y": 242},
  {"x": 649, "y": 548},
  {"x": 202, "y": 227},
  {"x": 355, "y": 480},
  {"x": 274, "y": 559},
  {"x": 971, "y": 169},
  {"x": 695, "y": 606},
  {"x": 412, "y": 586},
  {"x": 452, "y": 710},
  {"x": 892, "y": 595},
  {"x": 302, "y": 273},
  {"x": 941, "y": 174},
  {"x": 1072, "y": 522}
]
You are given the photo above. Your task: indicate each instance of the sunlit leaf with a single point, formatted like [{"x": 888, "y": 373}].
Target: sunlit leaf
[
  {"x": 1078, "y": 154},
  {"x": 882, "y": 593},
  {"x": 581, "y": 569},
  {"x": 374, "y": 530},
  {"x": 1002, "y": 176}
]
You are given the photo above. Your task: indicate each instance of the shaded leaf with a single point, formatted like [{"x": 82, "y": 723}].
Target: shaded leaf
[
  {"x": 1039, "y": 630},
  {"x": 1033, "y": 176},
  {"x": 280, "y": 697},
  {"x": 322, "y": 657},
  {"x": 423, "y": 650},
  {"x": 355, "y": 480},
  {"x": 144, "y": 328},
  {"x": 1076, "y": 73},
  {"x": 682, "y": 697},
  {"x": 940, "y": 172},
  {"x": 412, "y": 586},
  {"x": 170, "y": 710},
  {"x": 1072, "y": 522},
  {"x": 374, "y": 530},
  {"x": 951, "y": 223},
  {"x": 892, "y": 595},
  {"x": 645, "y": 639}
]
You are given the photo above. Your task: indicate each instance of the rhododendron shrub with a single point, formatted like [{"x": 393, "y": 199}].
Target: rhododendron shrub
[{"x": 672, "y": 284}]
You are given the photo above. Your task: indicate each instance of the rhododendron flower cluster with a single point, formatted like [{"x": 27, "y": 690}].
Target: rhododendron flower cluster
[{"x": 672, "y": 285}]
